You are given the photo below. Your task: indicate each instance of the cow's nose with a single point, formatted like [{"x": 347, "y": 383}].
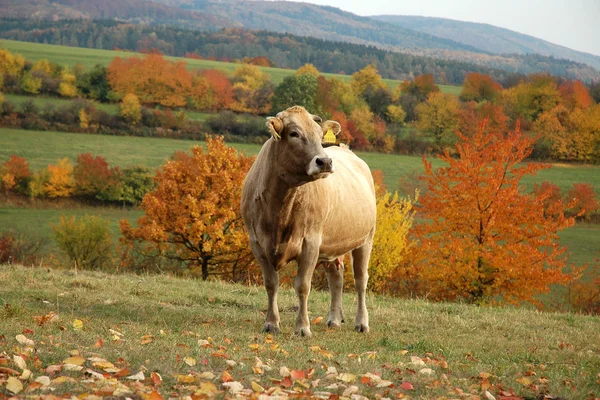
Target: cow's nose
[{"x": 324, "y": 163}]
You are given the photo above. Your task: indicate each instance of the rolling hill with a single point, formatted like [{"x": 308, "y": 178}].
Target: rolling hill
[{"x": 488, "y": 38}]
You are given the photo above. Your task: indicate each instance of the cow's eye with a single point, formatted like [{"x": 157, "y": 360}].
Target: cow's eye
[{"x": 294, "y": 134}]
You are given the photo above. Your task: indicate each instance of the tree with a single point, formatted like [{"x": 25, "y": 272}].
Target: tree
[
  {"x": 366, "y": 78},
  {"x": 482, "y": 237},
  {"x": 136, "y": 182},
  {"x": 308, "y": 69},
  {"x": 251, "y": 90},
  {"x": 575, "y": 95},
  {"x": 95, "y": 179},
  {"x": 586, "y": 202},
  {"x": 193, "y": 215},
  {"x": 439, "y": 115},
  {"x": 86, "y": 241},
  {"x": 220, "y": 90},
  {"x": 94, "y": 84},
  {"x": 396, "y": 114},
  {"x": 391, "y": 243},
  {"x": 131, "y": 109},
  {"x": 11, "y": 64},
  {"x": 296, "y": 90},
  {"x": 152, "y": 79},
  {"x": 60, "y": 182},
  {"x": 31, "y": 84},
  {"x": 420, "y": 88},
  {"x": 479, "y": 87},
  {"x": 15, "y": 174},
  {"x": 67, "y": 86}
]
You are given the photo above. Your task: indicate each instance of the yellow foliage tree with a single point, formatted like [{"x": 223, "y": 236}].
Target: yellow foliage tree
[
  {"x": 131, "y": 109},
  {"x": 84, "y": 120},
  {"x": 439, "y": 115},
  {"x": 61, "y": 182},
  {"x": 396, "y": 114},
  {"x": 11, "y": 64},
  {"x": 30, "y": 83},
  {"x": 391, "y": 243},
  {"x": 38, "y": 183},
  {"x": 44, "y": 66},
  {"x": 308, "y": 69},
  {"x": 368, "y": 77},
  {"x": 247, "y": 81},
  {"x": 67, "y": 86}
]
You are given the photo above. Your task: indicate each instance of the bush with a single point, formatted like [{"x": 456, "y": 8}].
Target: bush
[
  {"x": 85, "y": 241},
  {"x": 16, "y": 248},
  {"x": 135, "y": 183},
  {"x": 586, "y": 200}
]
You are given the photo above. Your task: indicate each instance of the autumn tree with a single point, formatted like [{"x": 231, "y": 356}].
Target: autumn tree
[
  {"x": 308, "y": 69},
  {"x": 439, "y": 115},
  {"x": 531, "y": 98},
  {"x": 584, "y": 198},
  {"x": 130, "y": 109},
  {"x": 60, "y": 181},
  {"x": 252, "y": 90},
  {"x": 479, "y": 87},
  {"x": 67, "y": 86},
  {"x": 481, "y": 237},
  {"x": 15, "y": 174},
  {"x": 152, "y": 79},
  {"x": 366, "y": 78},
  {"x": 94, "y": 179},
  {"x": 10, "y": 64},
  {"x": 219, "y": 94},
  {"x": 193, "y": 215},
  {"x": 575, "y": 95},
  {"x": 472, "y": 114},
  {"x": 391, "y": 243},
  {"x": 420, "y": 88}
]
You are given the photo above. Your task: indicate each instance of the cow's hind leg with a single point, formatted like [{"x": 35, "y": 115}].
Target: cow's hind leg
[
  {"x": 360, "y": 266},
  {"x": 335, "y": 279},
  {"x": 302, "y": 283}
]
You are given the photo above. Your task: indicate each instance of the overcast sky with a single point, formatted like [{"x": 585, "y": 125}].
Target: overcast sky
[{"x": 571, "y": 23}]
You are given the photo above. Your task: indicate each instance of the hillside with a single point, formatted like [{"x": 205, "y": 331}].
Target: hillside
[
  {"x": 136, "y": 11},
  {"x": 488, "y": 38},
  {"x": 155, "y": 336}
]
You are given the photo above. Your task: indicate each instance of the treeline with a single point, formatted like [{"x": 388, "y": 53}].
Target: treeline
[{"x": 284, "y": 50}]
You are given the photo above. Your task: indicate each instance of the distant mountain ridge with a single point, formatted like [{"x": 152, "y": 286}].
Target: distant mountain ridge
[{"x": 488, "y": 38}]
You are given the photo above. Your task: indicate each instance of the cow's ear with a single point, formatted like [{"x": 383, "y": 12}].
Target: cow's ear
[
  {"x": 275, "y": 127},
  {"x": 334, "y": 126},
  {"x": 316, "y": 118}
]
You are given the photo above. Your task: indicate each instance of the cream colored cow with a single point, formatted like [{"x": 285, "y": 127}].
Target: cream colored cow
[{"x": 306, "y": 203}]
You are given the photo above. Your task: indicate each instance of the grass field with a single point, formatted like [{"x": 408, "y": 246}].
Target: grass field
[
  {"x": 189, "y": 333},
  {"x": 70, "y": 56},
  {"x": 43, "y": 148}
]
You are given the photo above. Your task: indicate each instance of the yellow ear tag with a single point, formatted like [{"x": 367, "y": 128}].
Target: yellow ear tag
[{"x": 329, "y": 137}]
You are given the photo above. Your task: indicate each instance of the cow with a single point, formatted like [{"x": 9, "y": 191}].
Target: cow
[{"x": 309, "y": 204}]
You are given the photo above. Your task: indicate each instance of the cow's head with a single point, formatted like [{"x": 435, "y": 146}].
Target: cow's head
[{"x": 298, "y": 135}]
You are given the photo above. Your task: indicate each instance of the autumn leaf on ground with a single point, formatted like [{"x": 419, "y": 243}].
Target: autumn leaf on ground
[
  {"x": 146, "y": 339},
  {"x": 20, "y": 362},
  {"x": 256, "y": 387},
  {"x": 14, "y": 385},
  {"x": 226, "y": 377},
  {"x": 24, "y": 340},
  {"x": 75, "y": 360},
  {"x": 317, "y": 320},
  {"x": 295, "y": 374},
  {"x": 407, "y": 386},
  {"x": 346, "y": 377},
  {"x": 191, "y": 361},
  {"x": 524, "y": 381},
  {"x": 78, "y": 324}
]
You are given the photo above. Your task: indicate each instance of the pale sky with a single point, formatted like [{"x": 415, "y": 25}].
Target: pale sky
[{"x": 571, "y": 23}]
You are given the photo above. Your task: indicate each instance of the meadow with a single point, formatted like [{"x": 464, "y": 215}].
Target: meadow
[
  {"x": 155, "y": 336},
  {"x": 69, "y": 56}
]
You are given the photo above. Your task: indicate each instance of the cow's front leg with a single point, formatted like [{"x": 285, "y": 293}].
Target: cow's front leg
[
  {"x": 271, "y": 279},
  {"x": 307, "y": 262},
  {"x": 335, "y": 279},
  {"x": 360, "y": 266}
]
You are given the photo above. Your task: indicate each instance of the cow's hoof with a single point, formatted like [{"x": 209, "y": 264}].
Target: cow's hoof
[
  {"x": 361, "y": 328},
  {"x": 270, "y": 328},
  {"x": 333, "y": 325},
  {"x": 304, "y": 332}
]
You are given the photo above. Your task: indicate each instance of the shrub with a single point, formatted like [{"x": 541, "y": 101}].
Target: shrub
[
  {"x": 15, "y": 174},
  {"x": 131, "y": 110},
  {"x": 94, "y": 179},
  {"x": 85, "y": 241},
  {"x": 17, "y": 248},
  {"x": 60, "y": 182},
  {"x": 135, "y": 183},
  {"x": 586, "y": 200},
  {"x": 38, "y": 183}
]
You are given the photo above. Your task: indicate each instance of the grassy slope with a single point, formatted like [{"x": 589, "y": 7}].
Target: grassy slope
[
  {"x": 70, "y": 56},
  {"x": 558, "y": 354}
]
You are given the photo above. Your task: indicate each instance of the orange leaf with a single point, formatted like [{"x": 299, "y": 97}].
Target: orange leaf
[
  {"x": 226, "y": 377},
  {"x": 295, "y": 374}
]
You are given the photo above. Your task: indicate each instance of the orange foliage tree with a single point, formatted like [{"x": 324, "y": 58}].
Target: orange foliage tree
[
  {"x": 193, "y": 215},
  {"x": 152, "y": 79},
  {"x": 95, "y": 179},
  {"x": 15, "y": 174},
  {"x": 575, "y": 95},
  {"x": 479, "y": 87},
  {"x": 483, "y": 238},
  {"x": 220, "y": 91},
  {"x": 586, "y": 202}
]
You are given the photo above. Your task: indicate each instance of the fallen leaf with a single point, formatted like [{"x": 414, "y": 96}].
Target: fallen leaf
[
  {"x": 295, "y": 374},
  {"x": 256, "y": 387},
  {"x": 154, "y": 396},
  {"x": 226, "y": 377},
  {"x": 524, "y": 381},
  {"x": 156, "y": 378},
  {"x": 191, "y": 361},
  {"x": 346, "y": 377},
  {"x": 137, "y": 377},
  {"x": 284, "y": 371},
  {"x": 24, "y": 340},
  {"x": 14, "y": 385},
  {"x": 350, "y": 391},
  {"x": 62, "y": 379},
  {"x": 286, "y": 382},
  {"x": 78, "y": 324},
  {"x": 207, "y": 388},
  {"x": 384, "y": 384},
  {"x": 317, "y": 320},
  {"x": 186, "y": 379},
  {"x": 407, "y": 386},
  {"x": 146, "y": 339},
  {"x": 234, "y": 387},
  {"x": 20, "y": 362},
  {"x": 76, "y": 360},
  {"x": 207, "y": 375},
  {"x": 9, "y": 371},
  {"x": 203, "y": 343},
  {"x": 99, "y": 343},
  {"x": 427, "y": 372}
]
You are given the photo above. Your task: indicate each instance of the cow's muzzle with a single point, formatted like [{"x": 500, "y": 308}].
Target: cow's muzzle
[{"x": 320, "y": 165}]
